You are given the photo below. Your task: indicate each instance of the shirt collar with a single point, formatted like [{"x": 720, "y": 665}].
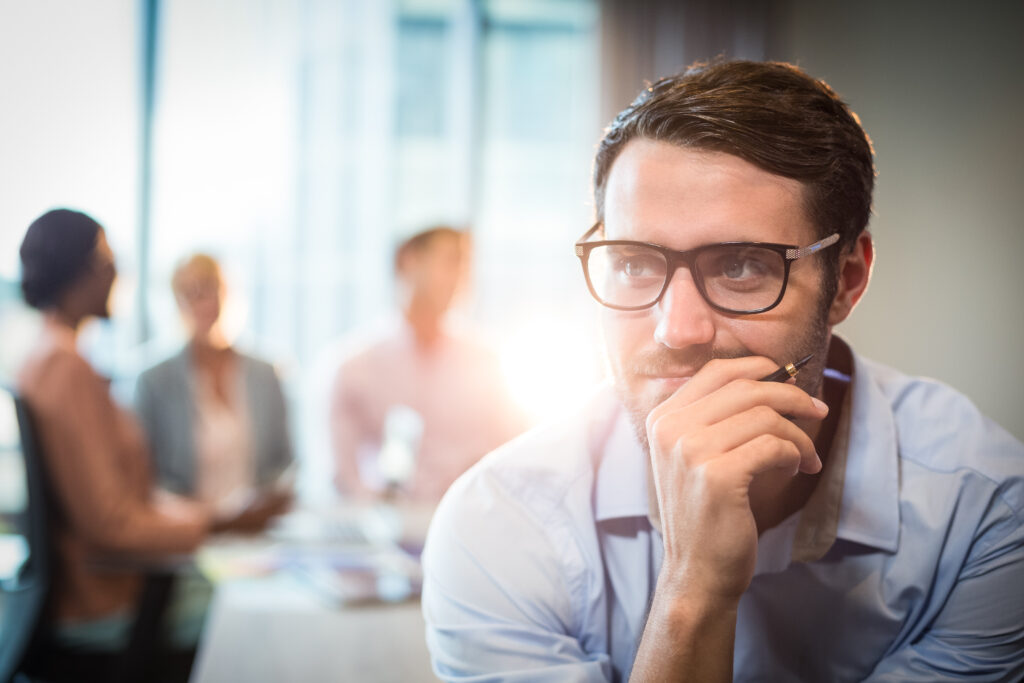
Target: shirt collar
[
  {"x": 869, "y": 511},
  {"x": 621, "y": 487},
  {"x": 857, "y": 497}
]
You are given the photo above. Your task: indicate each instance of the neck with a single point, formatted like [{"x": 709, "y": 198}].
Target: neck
[
  {"x": 213, "y": 340},
  {"x": 426, "y": 326},
  {"x": 204, "y": 352},
  {"x": 65, "y": 318}
]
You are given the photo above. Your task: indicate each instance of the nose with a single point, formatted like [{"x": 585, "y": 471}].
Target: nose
[{"x": 686, "y": 319}]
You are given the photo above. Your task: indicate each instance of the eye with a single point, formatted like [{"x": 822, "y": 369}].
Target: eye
[
  {"x": 638, "y": 266},
  {"x": 635, "y": 266},
  {"x": 741, "y": 267}
]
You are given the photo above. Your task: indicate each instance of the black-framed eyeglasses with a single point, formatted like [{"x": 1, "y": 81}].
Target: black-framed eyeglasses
[{"x": 733, "y": 277}]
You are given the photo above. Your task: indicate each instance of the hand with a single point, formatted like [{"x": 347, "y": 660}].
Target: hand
[
  {"x": 708, "y": 442},
  {"x": 254, "y": 517}
]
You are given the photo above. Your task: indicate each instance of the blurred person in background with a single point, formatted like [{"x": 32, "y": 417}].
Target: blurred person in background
[
  {"x": 95, "y": 452},
  {"x": 416, "y": 405},
  {"x": 215, "y": 417}
]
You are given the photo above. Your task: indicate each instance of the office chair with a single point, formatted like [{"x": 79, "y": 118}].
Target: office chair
[
  {"x": 41, "y": 657},
  {"x": 23, "y": 589}
]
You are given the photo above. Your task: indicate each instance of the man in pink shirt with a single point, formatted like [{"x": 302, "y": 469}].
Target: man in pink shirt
[{"x": 417, "y": 403}]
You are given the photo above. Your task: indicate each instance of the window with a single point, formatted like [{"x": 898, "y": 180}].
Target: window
[
  {"x": 70, "y": 132},
  {"x": 298, "y": 142}
]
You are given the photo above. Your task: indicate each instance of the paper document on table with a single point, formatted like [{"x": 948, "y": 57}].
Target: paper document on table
[
  {"x": 350, "y": 530},
  {"x": 389, "y": 576},
  {"x": 238, "y": 558}
]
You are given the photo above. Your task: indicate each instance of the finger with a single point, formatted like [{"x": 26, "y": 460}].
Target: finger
[
  {"x": 718, "y": 372},
  {"x": 744, "y": 394},
  {"x": 714, "y": 375},
  {"x": 737, "y": 430},
  {"x": 747, "y": 406},
  {"x": 674, "y": 436},
  {"x": 762, "y": 454}
]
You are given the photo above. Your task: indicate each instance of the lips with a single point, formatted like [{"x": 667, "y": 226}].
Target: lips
[
  {"x": 668, "y": 382},
  {"x": 664, "y": 368},
  {"x": 667, "y": 373}
]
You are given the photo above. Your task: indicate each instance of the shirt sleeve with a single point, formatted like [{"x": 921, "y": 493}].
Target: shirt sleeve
[
  {"x": 979, "y": 634},
  {"x": 498, "y": 596},
  {"x": 78, "y": 427}
]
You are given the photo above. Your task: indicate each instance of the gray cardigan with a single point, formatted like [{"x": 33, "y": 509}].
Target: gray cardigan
[{"x": 164, "y": 402}]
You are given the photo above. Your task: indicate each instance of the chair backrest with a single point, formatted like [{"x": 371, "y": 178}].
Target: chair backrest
[{"x": 24, "y": 543}]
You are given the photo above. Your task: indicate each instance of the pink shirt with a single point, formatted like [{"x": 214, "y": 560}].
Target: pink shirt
[{"x": 453, "y": 392}]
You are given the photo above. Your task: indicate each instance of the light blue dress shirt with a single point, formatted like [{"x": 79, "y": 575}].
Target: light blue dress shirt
[{"x": 541, "y": 560}]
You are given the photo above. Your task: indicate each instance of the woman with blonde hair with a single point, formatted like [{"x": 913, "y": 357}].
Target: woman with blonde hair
[{"x": 215, "y": 417}]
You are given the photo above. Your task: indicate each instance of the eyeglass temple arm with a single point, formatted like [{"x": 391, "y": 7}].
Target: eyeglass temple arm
[
  {"x": 793, "y": 254},
  {"x": 586, "y": 236}
]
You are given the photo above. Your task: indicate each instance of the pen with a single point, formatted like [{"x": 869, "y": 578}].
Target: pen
[{"x": 786, "y": 371}]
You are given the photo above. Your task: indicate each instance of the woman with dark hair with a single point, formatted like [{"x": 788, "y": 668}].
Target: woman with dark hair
[{"x": 95, "y": 452}]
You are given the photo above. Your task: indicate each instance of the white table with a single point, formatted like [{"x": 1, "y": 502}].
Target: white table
[
  {"x": 276, "y": 629},
  {"x": 279, "y": 627}
]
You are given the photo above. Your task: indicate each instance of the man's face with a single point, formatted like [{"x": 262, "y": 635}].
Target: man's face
[
  {"x": 681, "y": 198},
  {"x": 436, "y": 273}
]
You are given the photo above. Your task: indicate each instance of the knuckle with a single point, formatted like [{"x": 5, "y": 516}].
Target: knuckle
[
  {"x": 658, "y": 423},
  {"x": 662, "y": 435},
  {"x": 770, "y": 444},
  {"x": 656, "y": 427},
  {"x": 745, "y": 385},
  {"x": 765, "y": 443},
  {"x": 692, "y": 445},
  {"x": 763, "y": 413}
]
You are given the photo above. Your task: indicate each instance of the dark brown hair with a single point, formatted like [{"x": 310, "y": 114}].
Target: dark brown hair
[
  {"x": 770, "y": 114},
  {"x": 56, "y": 250}
]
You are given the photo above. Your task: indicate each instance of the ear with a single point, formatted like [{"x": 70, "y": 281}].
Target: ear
[{"x": 854, "y": 274}]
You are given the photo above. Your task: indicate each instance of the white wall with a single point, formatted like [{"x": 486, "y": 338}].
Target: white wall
[{"x": 940, "y": 89}]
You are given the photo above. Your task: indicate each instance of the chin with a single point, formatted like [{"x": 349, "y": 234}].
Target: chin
[{"x": 639, "y": 404}]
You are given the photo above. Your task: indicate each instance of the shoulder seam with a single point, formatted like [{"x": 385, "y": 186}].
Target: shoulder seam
[{"x": 576, "y": 577}]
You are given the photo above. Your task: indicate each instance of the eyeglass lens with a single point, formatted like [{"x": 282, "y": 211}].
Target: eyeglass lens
[{"x": 733, "y": 277}]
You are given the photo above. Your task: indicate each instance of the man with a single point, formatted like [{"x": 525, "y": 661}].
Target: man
[
  {"x": 696, "y": 523},
  {"x": 414, "y": 406}
]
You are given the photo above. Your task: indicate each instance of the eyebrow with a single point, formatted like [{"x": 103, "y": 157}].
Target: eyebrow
[{"x": 600, "y": 225}]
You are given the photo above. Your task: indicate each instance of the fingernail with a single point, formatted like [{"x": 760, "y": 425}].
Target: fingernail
[{"x": 819, "y": 404}]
